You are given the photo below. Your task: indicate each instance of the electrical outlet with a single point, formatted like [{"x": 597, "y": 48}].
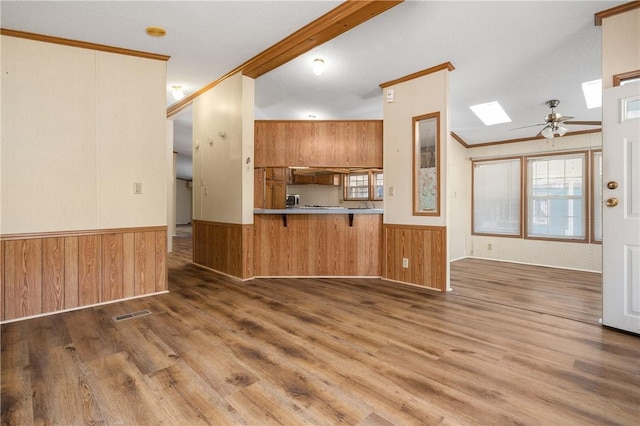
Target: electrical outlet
[
  {"x": 489, "y": 246},
  {"x": 137, "y": 187},
  {"x": 405, "y": 262}
]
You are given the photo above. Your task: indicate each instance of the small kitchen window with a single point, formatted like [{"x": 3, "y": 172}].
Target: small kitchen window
[
  {"x": 378, "y": 186},
  {"x": 364, "y": 186},
  {"x": 356, "y": 186}
]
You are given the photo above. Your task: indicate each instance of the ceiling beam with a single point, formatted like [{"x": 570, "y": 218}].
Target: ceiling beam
[{"x": 346, "y": 16}]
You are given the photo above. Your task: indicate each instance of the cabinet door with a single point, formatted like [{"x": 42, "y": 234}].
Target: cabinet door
[
  {"x": 275, "y": 195},
  {"x": 332, "y": 179},
  {"x": 303, "y": 179},
  {"x": 258, "y": 188}
]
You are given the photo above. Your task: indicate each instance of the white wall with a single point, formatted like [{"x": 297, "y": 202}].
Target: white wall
[
  {"x": 79, "y": 128},
  {"x": 183, "y": 202},
  {"x": 459, "y": 200},
  {"x": 422, "y": 95},
  {"x": 223, "y": 180},
  {"x": 620, "y": 45},
  {"x": 581, "y": 256}
]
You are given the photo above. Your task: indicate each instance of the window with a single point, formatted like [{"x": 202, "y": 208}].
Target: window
[
  {"x": 496, "y": 197},
  {"x": 596, "y": 184},
  {"x": 378, "y": 186},
  {"x": 363, "y": 186},
  {"x": 356, "y": 186},
  {"x": 556, "y": 199}
]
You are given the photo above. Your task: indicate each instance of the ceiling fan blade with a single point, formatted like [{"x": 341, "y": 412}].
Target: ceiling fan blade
[
  {"x": 526, "y": 127},
  {"x": 564, "y": 118},
  {"x": 584, "y": 123}
]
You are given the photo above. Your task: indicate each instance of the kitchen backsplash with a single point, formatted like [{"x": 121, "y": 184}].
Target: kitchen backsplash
[{"x": 325, "y": 195}]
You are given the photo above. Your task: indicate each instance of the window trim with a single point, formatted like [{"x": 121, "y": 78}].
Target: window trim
[
  {"x": 522, "y": 188},
  {"x": 593, "y": 187},
  {"x": 586, "y": 198},
  {"x": 346, "y": 186},
  {"x": 371, "y": 195}
]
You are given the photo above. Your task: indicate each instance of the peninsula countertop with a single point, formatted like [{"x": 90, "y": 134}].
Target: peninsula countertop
[{"x": 320, "y": 210}]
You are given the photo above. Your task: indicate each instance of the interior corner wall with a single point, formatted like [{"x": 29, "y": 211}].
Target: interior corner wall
[
  {"x": 415, "y": 247},
  {"x": 223, "y": 178},
  {"x": 558, "y": 254},
  {"x": 422, "y": 95},
  {"x": 459, "y": 200},
  {"x": 219, "y": 167},
  {"x": 620, "y": 45},
  {"x": 183, "y": 201}
]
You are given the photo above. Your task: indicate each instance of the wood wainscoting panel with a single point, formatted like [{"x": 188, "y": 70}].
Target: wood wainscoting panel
[
  {"x": 317, "y": 245},
  {"x": 113, "y": 266},
  {"x": 71, "y": 283},
  {"x": 53, "y": 274},
  {"x": 23, "y": 278},
  {"x": 224, "y": 247},
  {"x": 145, "y": 264},
  {"x": 425, "y": 249},
  {"x": 50, "y": 272},
  {"x": 89, "y": 269},
  {"x": 129, "y": 266}
]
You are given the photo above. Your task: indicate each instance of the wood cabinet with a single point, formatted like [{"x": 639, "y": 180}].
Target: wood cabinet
[
  {"x": 270, "y": 187},
  {"x": 349, "y": 143},
  {"x": 328, "y": 179}
]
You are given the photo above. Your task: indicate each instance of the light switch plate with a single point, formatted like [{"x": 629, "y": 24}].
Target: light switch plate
[{"x": 137, "y": 187}]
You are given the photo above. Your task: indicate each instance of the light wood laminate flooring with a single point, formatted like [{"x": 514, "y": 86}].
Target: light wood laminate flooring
[{"x": 317, "y": 351}]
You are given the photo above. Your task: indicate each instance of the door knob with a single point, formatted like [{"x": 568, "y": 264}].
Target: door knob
[
  {"x": 612, "y": 202},
  {"x": 612, "y": 184}
]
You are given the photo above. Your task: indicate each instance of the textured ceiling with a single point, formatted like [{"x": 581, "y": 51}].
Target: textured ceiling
[{"x": 518, "y": 53}]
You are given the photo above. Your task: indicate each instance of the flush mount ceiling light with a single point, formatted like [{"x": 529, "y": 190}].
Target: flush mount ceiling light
[
  {"x": 156, "y": 31},
  {"x": 490, "y": 113},
  {"x": 318, "y": 66},
  {"x": 177, "y": 92}
]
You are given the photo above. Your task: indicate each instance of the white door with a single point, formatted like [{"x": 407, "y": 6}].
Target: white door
[{"x": 621, "y": 209}]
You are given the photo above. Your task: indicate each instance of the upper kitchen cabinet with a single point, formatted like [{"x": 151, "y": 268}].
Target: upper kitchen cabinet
[{"x": 352, "y": 143}]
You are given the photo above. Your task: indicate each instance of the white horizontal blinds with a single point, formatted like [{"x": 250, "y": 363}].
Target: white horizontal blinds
[
  {"x": 556, "y": 188},
  {"x": 496, "y": 197},
  {"x": 597, "y": 196}
]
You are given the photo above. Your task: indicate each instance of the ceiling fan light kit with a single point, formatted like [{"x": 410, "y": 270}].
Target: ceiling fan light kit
[{"x": 554, "y": 122}]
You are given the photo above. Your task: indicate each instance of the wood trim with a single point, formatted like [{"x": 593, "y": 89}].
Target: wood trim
[
  {"x": 459, "y": 140},
  {"x": 60, "y": 272},
  {"x": 522, "y": 189},
  {"x": 598, "y": 17},
  {"x": 330, "y": 25},
  {"x": 414, "y": 165},
  {"x": 54, "y": 234},
  {"x": 343, "y": 18},
  {"x": 619, "y": 78},
  {"x": 525, "y": 208},
  {"x": 445, "y": 66},
  {"x": 82, "y": 44},
  {"x": 533, "y": 138},
  {"x": 425, "y": 247}
]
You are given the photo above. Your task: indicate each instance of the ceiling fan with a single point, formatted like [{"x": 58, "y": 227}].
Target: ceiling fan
[{"x": 554, "y": 122}]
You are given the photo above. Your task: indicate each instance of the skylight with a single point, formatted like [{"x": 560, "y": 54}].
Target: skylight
[
  {"x": 592, "y": 93},
  {"x": 490, "y": 113}
]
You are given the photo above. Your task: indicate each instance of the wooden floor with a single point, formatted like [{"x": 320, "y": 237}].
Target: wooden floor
[{"x": 322, "y": 352}]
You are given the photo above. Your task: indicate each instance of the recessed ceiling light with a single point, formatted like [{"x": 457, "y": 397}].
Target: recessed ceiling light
[
  {"x": 592, "y": 93},
  {"x": 490, "y": 113},
  {"x": 156, "y": 31}
]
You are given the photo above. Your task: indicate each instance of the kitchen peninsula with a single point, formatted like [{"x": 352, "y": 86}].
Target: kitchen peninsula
[{"x": 314, "y": 241}]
